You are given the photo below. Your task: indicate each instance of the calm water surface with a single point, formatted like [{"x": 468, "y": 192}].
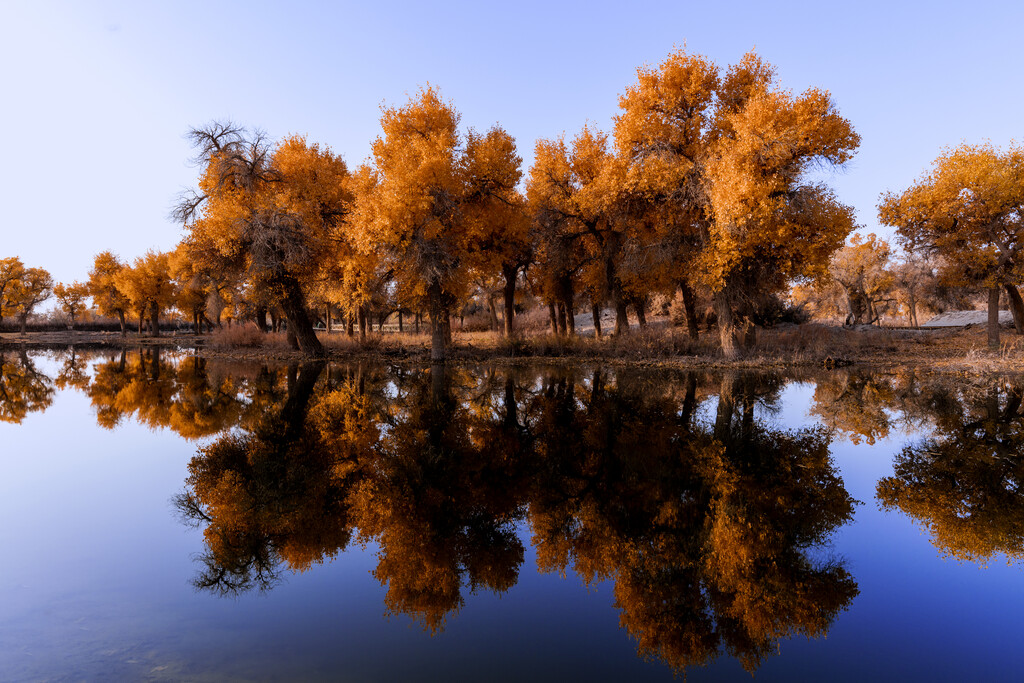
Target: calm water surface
[{"x": 168, "y": 517}]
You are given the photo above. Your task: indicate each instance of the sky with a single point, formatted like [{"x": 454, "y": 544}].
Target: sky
[{"x": 97, "y": 96}]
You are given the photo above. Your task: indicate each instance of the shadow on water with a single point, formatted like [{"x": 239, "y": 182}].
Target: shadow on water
[{"x": 711, "y": 522}]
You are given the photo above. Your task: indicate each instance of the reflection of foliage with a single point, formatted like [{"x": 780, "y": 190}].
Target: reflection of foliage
[
  {"x": 964, "y": 483},
  {"x": 441, "y": 507},
  {"x": 707, "y": 531},
  {"x": 23, "y": 389},
  {"x": 267, "y": 497},
  {"x": 73, "y": 371}
]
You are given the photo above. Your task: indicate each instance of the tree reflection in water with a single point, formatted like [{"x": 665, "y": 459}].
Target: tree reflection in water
[
  {"x": 23, "y": 389},
  {"x": 711, "y": 522},
  {"x": 965, "y": 483},
  {"x": 708, "y": 531}
]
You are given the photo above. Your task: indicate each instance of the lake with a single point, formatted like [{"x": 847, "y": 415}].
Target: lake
[{"x": 172, "y": 517}]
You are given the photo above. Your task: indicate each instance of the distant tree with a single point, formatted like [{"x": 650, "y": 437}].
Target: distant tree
[
  {"x": 148, "y": 286},
  {"x": 497, "y": 213},
  {"x": 71, "y": 298},
  {"x": 969, "y": 209},
  {"x": 862, "y": 270},
  {"x": 11, "y": 270},
  {"x": 103, "y": 288},
  {"x": 32, "y": 288}
]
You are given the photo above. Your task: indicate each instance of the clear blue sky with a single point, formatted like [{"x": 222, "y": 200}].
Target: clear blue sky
[{"x": 98, "y": 95}]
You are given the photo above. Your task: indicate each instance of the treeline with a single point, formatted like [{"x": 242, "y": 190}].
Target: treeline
[
  {"x": 702, "y": 187},
  {"x": 705, "y": 189}
]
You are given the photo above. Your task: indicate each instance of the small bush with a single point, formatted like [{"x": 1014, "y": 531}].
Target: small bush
[{"x": 240, "y": 336}]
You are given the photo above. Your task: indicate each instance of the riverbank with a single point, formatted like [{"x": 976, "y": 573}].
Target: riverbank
[{"x": 811, "y": 345}]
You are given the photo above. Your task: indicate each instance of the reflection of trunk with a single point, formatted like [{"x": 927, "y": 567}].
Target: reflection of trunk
[
  {"x": 154, "y": 372},
  {"x": 726, "y": 325},
  {"x": 689, "y": 309},
  {"x": 726, "y": 407},
  {"x": 993, "y": 317},
  {"x": 294, "y": 304},
  {"x": 511, "y": 415},
  {"x": 596, "y": 312},
  {"x": 689, "y": 399},
  {"x": 510, "y": 273},
  {"x": 302, "y": 382},
  {"x": 437, "y": 388},
  {"x": 1016, "y": 307},
  {"x": 438, "y": 348}
]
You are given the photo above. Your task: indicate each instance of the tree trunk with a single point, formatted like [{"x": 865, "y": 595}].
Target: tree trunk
[
  {"x": 749, "y": 333},
  {"x": 641, "y": 314},
  {"x": 24, "y": 322},
  {"x": 124, "y": 328},
  {"x": 328, "y": 321},
  {"x": 510, "y": 273},
  {"x": 689, "y": 309},
  {"x": 1016, "y": 307},
  {"x": 154, "y": 314},
  {"x": 294, "y": 304},
  {"x": 993, "y": 318},
  {"x": 438, "y": 348},
  {"x": 563, "y": 327},
  {"x": 553, "y": 318},
  {"x": 350, "y": 322},
  {"x": 569, "y": 302},
  {"x": 726, "y": 324},
  {"x": 492, "y": 310},
  {"x": 621, "y": 318},
  {"x": 596, "y": 312},
  {"x": 401, "y": 325},
  {"x": 261, "y": 319},
  {"x": 416, "y": 322},
  {"x": 142, "y": 320},
  {"x": 361, "y": 314}
]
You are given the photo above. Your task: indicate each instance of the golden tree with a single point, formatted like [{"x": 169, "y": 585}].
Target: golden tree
[
  {"x": 270, "y": 214},
  {"x": 148, "y": 286},
  {"x": 11, "y": 270},
  {"x": 415, "y": 217},
  {"x": 103, "y": 288},
  {"x": 862, "y": 270},
  {"x": 497, "y": 218},
  {"x": 969, "y": 209},
  {"x": 71, "y": 298},
  {"x": 31, "y": 288},
  {"x": 724, "y": 162}
]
